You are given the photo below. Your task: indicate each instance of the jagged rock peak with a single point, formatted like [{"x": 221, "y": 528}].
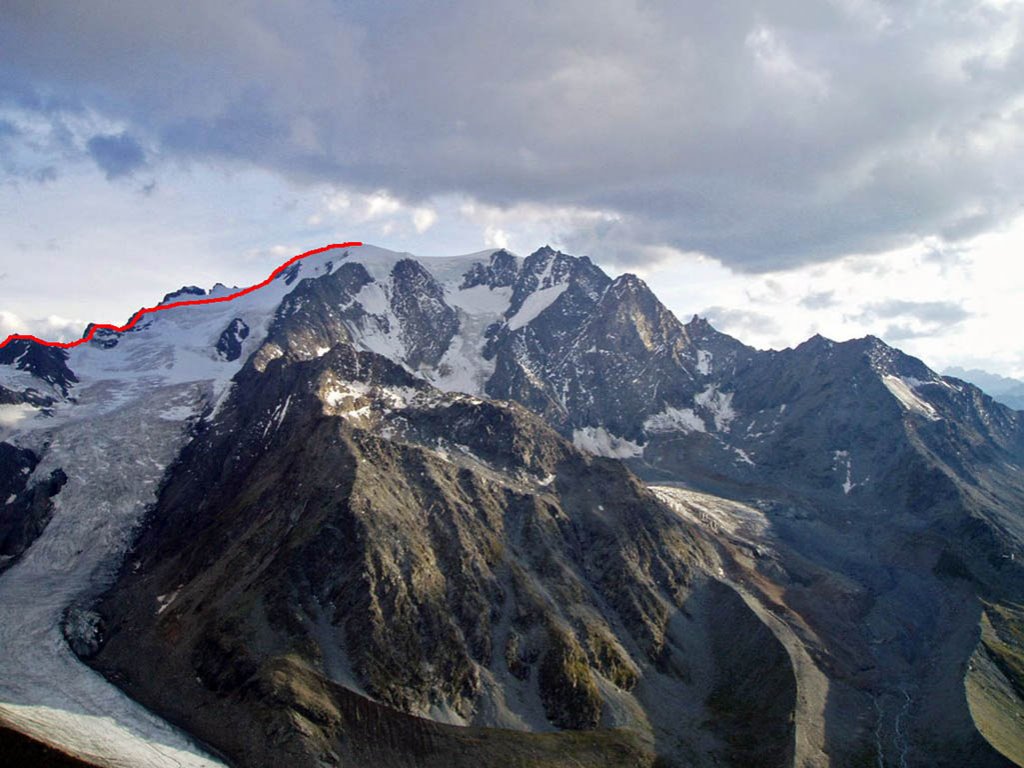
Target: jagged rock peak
[
  {"x": 628, "y": 282},
  {"x": 184, "y": 293},
  {"x": 816, "y": 342},
  {"x": 504, "y": 268},
  {"x": 229, "y": 345},
  {"x": 873, "y": 347},
  {"x": 548, "y": 259},
  {"x": 700, "y": 329},
  {"x": 889, "y": 360},
  {"x": 501, "y": 271},
  {"x": 698, "y": 323}
]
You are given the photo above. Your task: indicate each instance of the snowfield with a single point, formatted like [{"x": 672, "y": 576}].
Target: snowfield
[
  {"x": 904, "y": 391},
  {"x": 114, "y": 462},
  {"x": 128, "y": 421},
  {"x": 600, "y": 442}
]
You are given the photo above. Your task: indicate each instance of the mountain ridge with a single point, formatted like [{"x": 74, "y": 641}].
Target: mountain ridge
[{"x": 92, "y": 328}]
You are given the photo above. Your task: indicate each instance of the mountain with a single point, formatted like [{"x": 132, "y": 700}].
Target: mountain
[
  {"x": 1006, "y": 390},
  {"x": 440, "y": 511},
  {"x": 436, "y": 554}
]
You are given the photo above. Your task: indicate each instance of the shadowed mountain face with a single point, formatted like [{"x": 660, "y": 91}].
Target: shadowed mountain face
[
  {"x": 47, "y": 364},
  {"x": 513, "y": 511},
  {"x": 341, "y": 525}
]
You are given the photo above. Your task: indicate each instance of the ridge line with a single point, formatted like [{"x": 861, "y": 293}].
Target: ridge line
[{"x": 93, "y": 327}]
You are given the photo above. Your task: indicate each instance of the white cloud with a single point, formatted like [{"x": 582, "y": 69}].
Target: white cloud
[
  {"x": 59, "y": 328},
  {"x": 336, "y": 203},
  {"x": 528, "y": 226},
  {"x": 380, "y": 205},
  {"x": 496, "y": 238},
  {"x": 423, "y": 219},
  {"x": 51, "y": 328},
  {"x": 11, "y": 323}
]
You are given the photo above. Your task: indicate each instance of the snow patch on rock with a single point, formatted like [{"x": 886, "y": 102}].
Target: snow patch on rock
[
  {"x": 534, "y": 304},
  {"x": 903, "y": 390},
  {"x": 675, "y": 420},
  {"x": 163, "y": 602},
  {"x": 718, "y": 405},
  {"x": 744, "y": 456},
  {"x": 841, "y": 461},
  {"x": 12, "y": 415},
  {"x": 463, "y": 367},
  {"x": 600, "y": 442}
]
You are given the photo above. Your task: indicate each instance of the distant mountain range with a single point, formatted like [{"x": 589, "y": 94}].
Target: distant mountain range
[
  {"x": 509, "y": 511},
  {"x": 1006, "y": 390}
]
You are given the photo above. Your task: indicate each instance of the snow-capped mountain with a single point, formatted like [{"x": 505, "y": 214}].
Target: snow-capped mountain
[{"x": 385, "y": 510}]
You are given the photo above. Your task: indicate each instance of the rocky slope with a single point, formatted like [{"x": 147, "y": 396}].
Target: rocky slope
[{"x": 344, "y": 538}]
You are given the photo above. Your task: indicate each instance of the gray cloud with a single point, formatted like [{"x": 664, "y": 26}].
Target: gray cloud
[
  {"x": 905, "y": 320},
  {"x": 899, "y": 332},
  {"x": 946, "y": 257},
  {"x": 819, "y": 300},
  {"x": 741, "y": 322},
  {"x": 931, "y": 312},
  {"x": 15, "y": 167},
  {"x": 45, "y": 174},
  {"x": 764, "y": 134},
  {"x": 116, "y": 155}
]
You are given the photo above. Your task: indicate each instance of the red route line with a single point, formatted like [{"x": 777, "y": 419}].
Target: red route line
[{"x": 160, "y": 308}]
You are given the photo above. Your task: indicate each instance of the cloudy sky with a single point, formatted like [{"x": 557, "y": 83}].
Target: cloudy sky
[{"x": 785, "y": 168}]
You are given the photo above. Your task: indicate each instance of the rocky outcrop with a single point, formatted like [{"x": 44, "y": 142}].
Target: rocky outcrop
[
  {"x": 500, "y": 271},
  {"x": 428, "y": 323},
  {"x": 28, "y": 506},
  {"x": 229, "y": 344},
  {"x": 48, "y": 364}
]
